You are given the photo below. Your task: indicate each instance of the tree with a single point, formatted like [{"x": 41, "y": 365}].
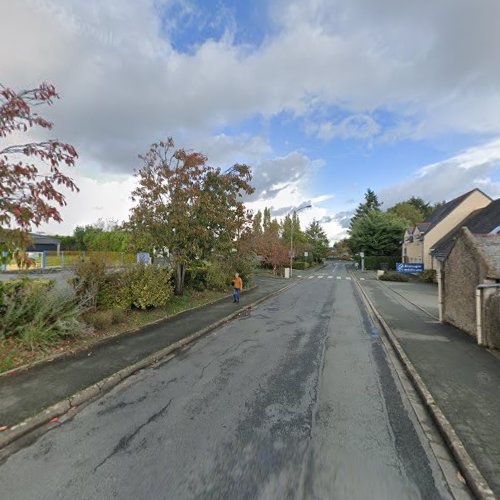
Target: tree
[
  {"x": 273, "y": 250},
  {"x": 420, "y": 204},
  {"x": 186, "y": 210},
  {"x": 30, "y": 174},
  {"x": 257, "y": 223},
  {"x": 371, "y": 203},
  {"x": 408, "y": 212},
  {"x": 267, "y": 218},
  {"x": 318, "y": 240},
  {"x": 341, "y": 249},
  {"x": 377, "y": 234}
]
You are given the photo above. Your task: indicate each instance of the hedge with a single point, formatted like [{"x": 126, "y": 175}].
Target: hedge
[{"x": 374, "y": 263}]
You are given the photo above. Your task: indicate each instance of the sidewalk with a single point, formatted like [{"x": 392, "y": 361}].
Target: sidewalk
[
  {"x": 463, "y": 378},
  {"x": 24, "y": 394}
]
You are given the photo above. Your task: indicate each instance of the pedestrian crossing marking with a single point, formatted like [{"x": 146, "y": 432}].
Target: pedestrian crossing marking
[
  {"x": 339, "y": 277},
  {"x": 319, "y": 277},
  {"x": 362, "y": 279},
  {"x": 330, "y": 277},
  {"x": 348, "y": 277},
  {"x": 311, "y": 277}
]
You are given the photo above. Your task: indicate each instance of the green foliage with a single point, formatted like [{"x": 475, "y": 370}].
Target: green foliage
[
  {"x": 317, "y": 241},
  {"x": 141, "y": 286},
  {"x": 407, "y": 212},
  {"x": 196, "y": 277},
  {"x": 377, "y": 233},
  {"x": 371, "y": 204},
  {"x": 374, "y": 263},
  {"x": 429, "y": 276},
  {"x": 188, "y": 207},
  {"x": 100, "y": 320},
  {"x": 394, "y": 276},
  {"x": 39, "y": 314},
  {"x": 341, "y": 250},
  {"x": 150, "y": 286},
  {"x": 300, "y": 266},
  {"x": 217, "y": 278}
]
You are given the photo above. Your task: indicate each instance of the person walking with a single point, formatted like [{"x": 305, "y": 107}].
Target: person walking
[{"x": 238, "y": 286}]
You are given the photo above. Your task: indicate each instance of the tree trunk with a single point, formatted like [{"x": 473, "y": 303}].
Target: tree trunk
[{"x": 180, "y": 273}]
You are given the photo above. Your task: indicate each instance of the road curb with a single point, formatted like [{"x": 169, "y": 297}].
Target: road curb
[
  {"x": 99, "y": 388},
  {"x": 56, "y": 356},
  {"x": 474, "y": 478}
]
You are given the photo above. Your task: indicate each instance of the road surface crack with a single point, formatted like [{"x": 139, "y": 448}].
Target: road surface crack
[{"x": 125, "y": 441}]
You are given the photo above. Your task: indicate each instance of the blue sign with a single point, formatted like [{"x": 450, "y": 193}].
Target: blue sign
[
  {"x": 143, "y": 258},
  {"x": 409, "y": 267}
]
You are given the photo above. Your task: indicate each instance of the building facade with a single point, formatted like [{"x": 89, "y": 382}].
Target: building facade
[{"x": 419, "y": 241}]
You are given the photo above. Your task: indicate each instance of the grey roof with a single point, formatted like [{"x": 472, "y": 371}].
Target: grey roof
[
  {"x": 423, "y": 226},
  {"x": 490, "y": 245},
  {"x": 44, "y": 239},
  {"x": 482, "y": 221},
  {"x": 441, "y": 212}
]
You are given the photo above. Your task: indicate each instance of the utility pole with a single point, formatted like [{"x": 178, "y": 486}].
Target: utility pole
[{"x": 291, "y": 235}]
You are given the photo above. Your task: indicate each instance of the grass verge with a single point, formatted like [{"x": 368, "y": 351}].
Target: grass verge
[{"x": 14, "y": 354}]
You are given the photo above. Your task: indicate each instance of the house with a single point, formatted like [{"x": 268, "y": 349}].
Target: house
[
  {"x": 421, "y": 239},
  {"x": 483, "y": 221},
  {"x": 469, "y": 285},
  {"x": 41, "y": 242}
]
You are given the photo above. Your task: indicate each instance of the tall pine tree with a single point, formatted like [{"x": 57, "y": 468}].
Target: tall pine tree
[{"x": 371, "y": 203}]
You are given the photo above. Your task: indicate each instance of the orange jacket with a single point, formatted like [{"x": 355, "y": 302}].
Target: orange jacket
[{"x": 238, "y": 283}]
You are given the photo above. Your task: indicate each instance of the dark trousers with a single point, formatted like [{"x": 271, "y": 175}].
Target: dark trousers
[{"x": 236, "y": 294}]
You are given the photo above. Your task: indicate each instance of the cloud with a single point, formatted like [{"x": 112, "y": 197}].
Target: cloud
[
  {"x": 275, "y": 175},
  {"x": 449, "y": 178},
  {"x": 124, "y": 84},
  {"x": 343, "y": 219},
  {"x": 353, "y": 127}
]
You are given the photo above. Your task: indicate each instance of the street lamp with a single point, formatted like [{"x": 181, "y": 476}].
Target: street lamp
[{"x": 291, "y": 235}]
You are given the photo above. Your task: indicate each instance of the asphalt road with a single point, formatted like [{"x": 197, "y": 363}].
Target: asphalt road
[{"x": 293, "y": 400}]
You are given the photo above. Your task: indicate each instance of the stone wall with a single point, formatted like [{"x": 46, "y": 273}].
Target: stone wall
[
  {"x": 491, "y": 320},
  {"x": 463, "y": 270}
]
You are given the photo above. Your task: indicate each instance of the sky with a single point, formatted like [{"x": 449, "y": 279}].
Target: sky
[{"x": 322, "y": 98}]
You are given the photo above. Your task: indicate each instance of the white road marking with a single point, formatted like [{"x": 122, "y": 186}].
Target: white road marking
[
  {"x": 299, "y": 276},
  {"x": 311, "y": 277},
  {"x": 348, "y": 278},
  {"x": 330, "y": 277},
  {"x": 319, "y": 277},
  {"x": 362, "y": 279},
  {"x": 339, "y": 277}
]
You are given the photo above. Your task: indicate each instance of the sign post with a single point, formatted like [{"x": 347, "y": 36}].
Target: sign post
[{"x": 362, "y": 255}]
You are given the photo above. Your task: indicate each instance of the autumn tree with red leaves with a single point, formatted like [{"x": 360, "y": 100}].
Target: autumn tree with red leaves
[
  {"x": 186, "y": 209},
  {"x": 30, "y": 174},
  {"x": 273, "y": 250}
]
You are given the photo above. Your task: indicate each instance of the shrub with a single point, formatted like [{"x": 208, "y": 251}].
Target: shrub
[
  {"x": 115, "y": 291},
  {"x": 150, "y": 286},
  {"x": 379, "y": 262},
  {"x": 100, "y": 320},
  {"x": 119, "y": 315},
  {"x": 429, "y": 276},
  {"x": 300, "y": 266},
  {"x": 393, "y": 276},
  {"x": 89, "y": 279},
  {"x": 217, "y": 278},
  {"x": 37, "y": 315},
  {"x": 196, "y": 278}
]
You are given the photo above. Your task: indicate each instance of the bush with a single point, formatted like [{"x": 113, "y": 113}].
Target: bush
[
  {"x": 196, "y": 278},
  {"x": 300, "y": 266},
  {"x": 394, "y": 276},
  {"x": 429, "y": 276},
  {"x": 115, "y": 291},
  {"x": 100, "y": 320},
  {"x": 39, "y": 315},
  {"x": 374, "y": 263},
  {"x": 150, "y": 286},
  {"x": 217, "y": 278}
]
